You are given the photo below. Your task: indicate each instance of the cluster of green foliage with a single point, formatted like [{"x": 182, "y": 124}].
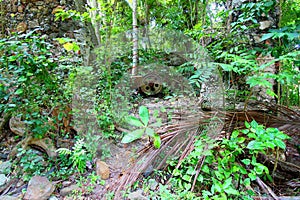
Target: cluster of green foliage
[
  {"x": 237, "y": 53},
  {"x": 31, "y": 162},
  {"x": 228, "y": 167},
  {"x": 79, "y": 156},
  {"x": 144, "y": 127},
  {"x": 109, "y": 77},
  {"x": 32, "y": 81}
]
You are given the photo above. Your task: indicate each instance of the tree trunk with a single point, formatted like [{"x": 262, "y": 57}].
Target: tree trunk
[{"x": 135, "y": 39}]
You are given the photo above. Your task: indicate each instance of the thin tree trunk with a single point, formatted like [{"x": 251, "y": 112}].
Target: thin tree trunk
[{"x": 135, "y": 39}]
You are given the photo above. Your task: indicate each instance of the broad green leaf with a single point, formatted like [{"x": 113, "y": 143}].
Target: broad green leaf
[
  {"x": 254, "y": 145},
  {"x": 19, "y": 91},
  {"x": 259, "y": 168},
  {"x": 247, "y": 182},
  {"x": 247, "y": 124},
  {"x": 227, "y": 183},
  {"x": 270, "y": 144},
  {"x": 156, "y": 141},
  {"x": 12, "y": 58},
  {"x": 22, "y": 79},
  {"x": 266, "y": 36},
  {"x": 241, "y": 140},
  {"x": 232, "y": 191},
  {"x": 252, "y": 176},
  {"x": 144, "y": 114},
  {"x": 268, "y": 3},
  {"x": 205, "y": 169},
  {"x": 176, "y": 172},
  {"x": 234, "y": 134},
  {"x": 245, "y": 131},
  {"x": 134, "y": 135},
  {"x": 246, "y": 161},
  {"x": 279, "y": 143},
  {"x": 187, "y": 186},
  {"x": 186, "y": 178},
  {"x": 218, "y": 186},
  {"x": 134, "y": 121},
  {"x": 219, "y": 175},
  {"x": 254, "y": 124},
  {"x": 191, "y": 170},
  {"x": 156, "y": 124},
  {"x": 29, "y": 74},
  {"x": 200, "y": 178},
  {"x": 281, "y": 135},
  {"x": 76, "y": 47},
  {"x": 150, "y": 132}
]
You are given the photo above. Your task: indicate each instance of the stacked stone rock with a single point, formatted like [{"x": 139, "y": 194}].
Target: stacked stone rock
[{"x": 26, "y": 15}]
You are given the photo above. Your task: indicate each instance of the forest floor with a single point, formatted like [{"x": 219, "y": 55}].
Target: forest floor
[{"x": 121, "y": 158}]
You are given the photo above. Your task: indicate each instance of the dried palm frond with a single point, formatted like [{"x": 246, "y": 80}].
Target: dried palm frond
[{"x": 178, "y": 139}]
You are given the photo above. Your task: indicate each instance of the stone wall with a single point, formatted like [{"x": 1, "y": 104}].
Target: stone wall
[{"x": 26, "y": 15}]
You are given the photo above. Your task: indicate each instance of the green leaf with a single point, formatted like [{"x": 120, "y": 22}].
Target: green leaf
[
  {"x": 260, "y": 168},
  {"x": 219, "y": 175},
  {"x": 22, "y": 79},
  {"x": 232, "y": 191},
  {"x": 227, "y": 183},
  {"x": 234, "y": 134},
  {"x": 60, "y": 116},
  {"x": 76, "y": 47},
  {"x": 200, "y": 178},
  {"x": 187, "y": 186},
  {"x": 176, "y": 172},
  {"x": 205, "y": 169},
  {"x": 247, "y": 182},
  {"x": 156, "y": 141},
  {"x": 156, "y": 124},
  {"x": 254, "y": 124},
  {"x": 255, "y": 145},
  {"x": 246, "y": 161},
  {"x": 19, "y": 91},
  {"x": 144, "y": 114},
  {"x": 150, "y": 132},
  {"x": 266, "y": 36},
  {"x": 252, "y": 176},
  {"x": 241, "y": 140},
  {"x": 247, "y": 124},
  {"x": 134, "y": 121},
  {"x": 270, "y": 145},
  {"x": 280, "y": 143},
  {"x": 134, "y": 135},
  {"x": 186, "y": 178},
  {"x": 191, "y": 170},
  {"x": 245, "y": 131}
]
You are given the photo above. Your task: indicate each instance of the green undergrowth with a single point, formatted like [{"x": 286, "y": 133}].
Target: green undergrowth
[{"x": 225, "y": 169}]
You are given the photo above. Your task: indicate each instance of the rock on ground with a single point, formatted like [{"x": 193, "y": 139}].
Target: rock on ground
[
  {"x": 102, "y": 169},
  {"x": 137, "y": 195},
  {"x": 39, "y": 188},
  {"x": 68, "y": 190}
]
